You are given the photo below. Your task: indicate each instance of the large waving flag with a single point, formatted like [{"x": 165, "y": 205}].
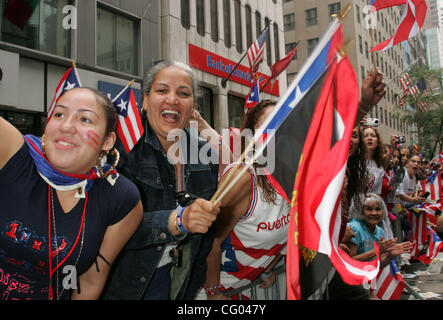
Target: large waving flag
[
  {"x": 432, "y": 184},
  {"x": 256, "y": 51},
  {"x": 70, "y": 80},
  {"x": 382, "y": 4},
  {"x": 410, "y": 24},
  {"x": 129, "y": 126},
  {"x": 315, "y": 118},
  {"x": 390, "y": 283}
]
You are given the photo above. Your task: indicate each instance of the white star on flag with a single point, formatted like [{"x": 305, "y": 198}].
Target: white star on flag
[
  {"x": 122, "y": 105},
  {"x": 69, "y": 86}
]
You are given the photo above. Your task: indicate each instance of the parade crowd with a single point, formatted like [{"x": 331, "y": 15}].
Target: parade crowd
[{"x": 142, "y": 226}]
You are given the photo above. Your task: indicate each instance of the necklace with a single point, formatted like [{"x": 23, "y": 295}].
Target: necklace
[{"x": 51, "y": 214}]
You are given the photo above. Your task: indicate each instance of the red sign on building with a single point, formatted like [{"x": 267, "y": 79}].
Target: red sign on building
[{"x": 214, "y": 64}]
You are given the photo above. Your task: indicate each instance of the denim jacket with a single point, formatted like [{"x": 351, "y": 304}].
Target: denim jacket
[{"x": 148, "y": 167}]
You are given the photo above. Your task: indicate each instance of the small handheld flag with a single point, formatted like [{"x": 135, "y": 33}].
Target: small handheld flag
[
  {"x": 253, "y": 97},
  {"x": 129, "y": 126}
]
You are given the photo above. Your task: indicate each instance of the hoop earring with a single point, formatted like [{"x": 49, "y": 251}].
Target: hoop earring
[
  {"x": 116, "y": 155},
  {"x": 44, "y": 146}
]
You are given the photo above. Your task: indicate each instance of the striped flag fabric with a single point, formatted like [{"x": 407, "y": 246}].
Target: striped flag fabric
[
  {"x": 382, "y": 4},
  {"x": 410, "y": 24},
  {"x": 308, "y": 138},
  {"x": 70, "y": 80},
  {"x": 432, "y": 184},
  {"x": 419, "y": 231},
  {"x": 435, "y": 246},
  {"x": 390, "y": 283},
  {"x": 256, "y": 51},
  {"x": 129, "y": 126},
  {"x": 253, "y": 97}
]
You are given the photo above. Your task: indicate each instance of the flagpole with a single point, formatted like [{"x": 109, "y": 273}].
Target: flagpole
[
  {"x": 128, "y": 85},
  {"x": 398, "y": 74}
]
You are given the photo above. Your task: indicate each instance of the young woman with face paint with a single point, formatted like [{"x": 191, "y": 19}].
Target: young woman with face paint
[{"x": 65, "y": 214}]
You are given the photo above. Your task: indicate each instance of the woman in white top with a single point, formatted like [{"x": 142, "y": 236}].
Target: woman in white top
[{"x": 407, "y": 187}]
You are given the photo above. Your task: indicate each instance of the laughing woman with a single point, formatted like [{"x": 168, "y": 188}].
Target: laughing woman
[{"x": 58, "y": 209}]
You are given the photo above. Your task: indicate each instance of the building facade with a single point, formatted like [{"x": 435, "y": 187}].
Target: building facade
[
  {"x": 115, "y": 41},
  {"x": 111, "y": 42},
  {"x": 306, "y": 20}
]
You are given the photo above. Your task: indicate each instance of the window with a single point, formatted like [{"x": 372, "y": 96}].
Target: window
[
  {"x": 360, "y": 44},
  {"x": 185, "y": 14},
  {"x": 311, "y": 17},
  {"x": 289, "y": 22},
  {"x": 268, "y": 42},
  {"x": 276, "y": 43},
  {"x": 289, "y": 47},
  {"x": 258, "y": 29},
  {"x": 200, "y": 7},
  {"x": 357, "y": 9},
  {"x": 43, "y": 31},
  {"x": 238, "y": 27},
  {"x": 333, "y": 10},
  {"x": 214, "y": 20},
  {"x": 248, "y": 16},
  {"x": 117, "y": 44},
  {"x": 205, "y": 105},
  {"x": 366, "y": 50},
  {"x": 227, "y": 22},
  {"x": 311, "y": 45}
]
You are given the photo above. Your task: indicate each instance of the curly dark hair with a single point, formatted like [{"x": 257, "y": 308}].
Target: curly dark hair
[
  {"x": 250, "y": 120},
  {"x": 356, "y": 170}
]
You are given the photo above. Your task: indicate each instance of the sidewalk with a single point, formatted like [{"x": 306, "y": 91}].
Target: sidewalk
[{"x": 426, "y": 280}]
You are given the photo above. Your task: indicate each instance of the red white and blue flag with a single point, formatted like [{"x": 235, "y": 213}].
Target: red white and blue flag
[
  {"x": 311, "y": 126},
  {"x": 129, "y": 126},
  {"x": 70, "y": 80},
  {"x": 434, "y": 247},
  {"x": 419, "y": 231},
  {"x": 382, "y": 4},
  {"x": 390, "y": 283},
  {"x": 256, "y": 51},
  {"x": 410, "y": 24},
  {"x": 432, "y": 184},
  {"x": 253, "y": 97}
]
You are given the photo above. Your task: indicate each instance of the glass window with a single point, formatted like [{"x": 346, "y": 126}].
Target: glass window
[
  {"x": 200, "y": 13},
  {"x": 43, "y": 31},
  {"x": 185, "y": 14},
  {"x": 238, "y": 27},
  {"x": 236, "y": 106},
  {"x": 26, "y": 123},
  {"x": 357, "y": 9},
  {"x": 311, "y": 45},
  {"x": 276, "y": 43},
  {"x": 205, "y": 105},
  {"x": 289, "y": 22},
  {"x": 214, "y": 20},
  {"x": 248, "y": 16},
  {"x": 227, "y": 22},
  {"x": 289, "y": 47},
  {"x": 117, "y": 43},
  {"x": 311, "y": 17},
  {"x": 333, "y": 10},
  {"x": 268, "y": 42}
]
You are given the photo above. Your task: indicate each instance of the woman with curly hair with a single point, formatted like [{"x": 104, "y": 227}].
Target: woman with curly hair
[{"x": 374, "y": 159}]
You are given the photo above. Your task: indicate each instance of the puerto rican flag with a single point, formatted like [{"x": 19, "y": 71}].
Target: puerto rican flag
[
  {"x": 390, "y": 283},
  {"x": 432, "y": 185},
  {"x": 253, "y": 97},
  {"x": 410, "y": 24},
  {"x": 434, "y": 247},
  {"x": 382, "y": 4},
  {"x": 129, "y": 126},
  {"x": 70, "y": 80},
  {"x": 419, "y": 231}
]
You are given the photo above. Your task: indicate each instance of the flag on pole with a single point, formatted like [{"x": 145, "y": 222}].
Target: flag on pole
[
  {"x": 256, "y": 51},
  {"x": 410, "y": 24},
  {"x": 432, "y": 184},
  {"x": 390, "y": 283},
  {"x": 20, "y": 11},
  {"x": 282, "y": 64},
  {"x": 419, "y": 231},
  {"x": 253, "y": 97},
  {"x": 70, "y": 80},
  {"x": 129, "y": 126}
]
